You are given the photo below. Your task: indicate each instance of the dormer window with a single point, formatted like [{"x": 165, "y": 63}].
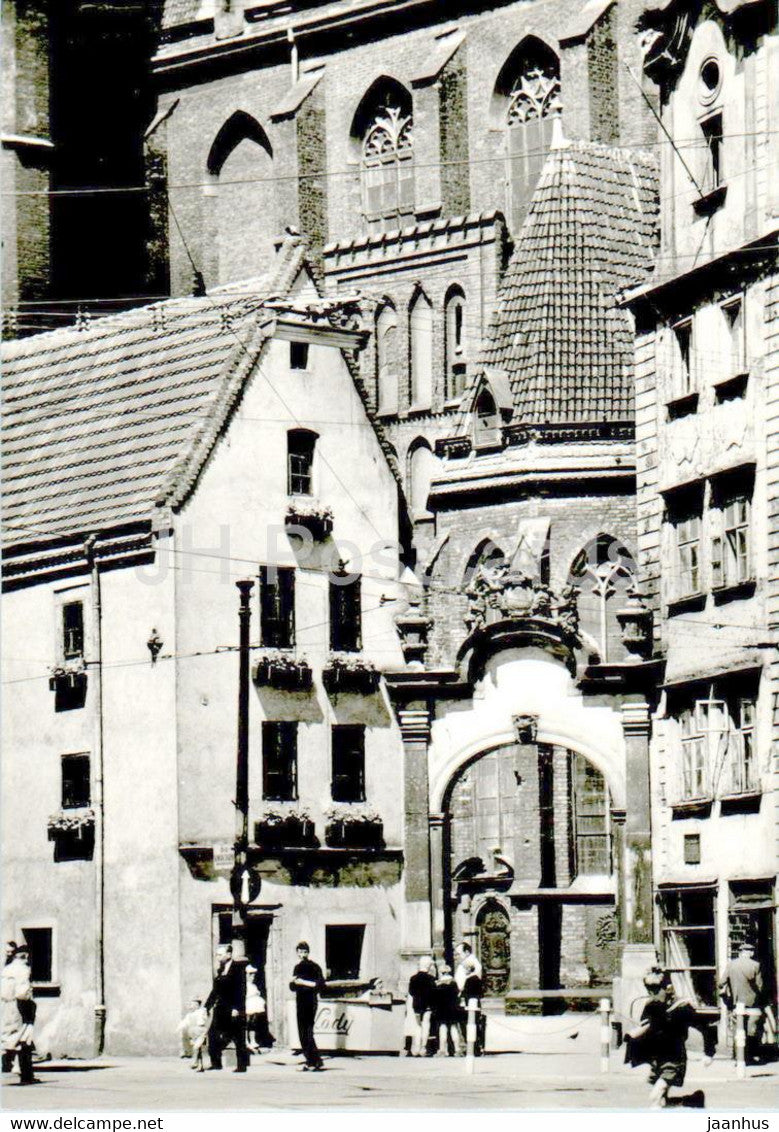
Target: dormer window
[{"x": 486, "y": 426}]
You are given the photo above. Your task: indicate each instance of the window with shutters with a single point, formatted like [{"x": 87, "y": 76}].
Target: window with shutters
[
  {"x": 731, "y": 542},
  {"x": 348, "y": 754},
  {"x": 717, "y": 755},
  {"x": 345, "y": 614},
  {"x": 280, "y": 761},
  {"x": 277, "y": 607}
]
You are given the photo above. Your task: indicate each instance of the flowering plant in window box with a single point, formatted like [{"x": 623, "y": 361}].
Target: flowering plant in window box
[
  {"x": 354, "y": 827},
  {"x": 316, "y": 518},
  {"x": 285, "y": 829},
  {"x": 347, "y": 673},
  {"x": 68, "y": 674},
  {"x": 76, "y": 822},
  {"x": 277, "y": 669}
]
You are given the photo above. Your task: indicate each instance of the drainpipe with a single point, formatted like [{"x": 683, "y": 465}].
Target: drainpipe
[{"x": 96, "y": 679}]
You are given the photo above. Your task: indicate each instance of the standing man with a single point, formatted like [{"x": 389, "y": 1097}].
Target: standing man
[
  {"x": 421, "y": 993},
  {"x": 743, "y": 982},
  {"x": 307, "y": 982},
  {"x": 228, "y": 1023}
]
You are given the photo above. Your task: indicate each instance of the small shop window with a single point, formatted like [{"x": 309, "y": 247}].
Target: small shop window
[
  {"x": 689, "y": 942},
  {"x": 343, "y": 951}
]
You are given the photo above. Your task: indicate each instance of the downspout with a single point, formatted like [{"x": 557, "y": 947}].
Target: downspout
[{"x": 98, "y": 805}]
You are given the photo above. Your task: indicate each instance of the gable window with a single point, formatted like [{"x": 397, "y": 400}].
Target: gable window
[
  {"x": 348, "y": 753},
  {"x": 301, "y": 444},
  {"x": 455, "y": 344},
  {"x": 387, "y": 360},
  {"x": 528, "y": 89},
  {"x": 277, "y": 607},
  {"x": 387, "y": 170},
  {"x": 345, "y": 614},
  {"x": 343, "y": 951},
  {"x": 40, "y": 942},
  {"x": 486, "y": 430},
  {"x": 280, "y": 761},
  {"x": 590, "y": 818},
  {"x": 76, "y": 793},
  {"x": 298, "y": 355},
  {"x": 421, "y": 339},
  {"x": 72, "y": 630}
]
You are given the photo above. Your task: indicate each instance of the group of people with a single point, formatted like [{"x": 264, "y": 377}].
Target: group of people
[
  {"x": 18, "y": 1013},
  {"x": 229, "y": 1014},
  {"x": 438, "y": 1003}
]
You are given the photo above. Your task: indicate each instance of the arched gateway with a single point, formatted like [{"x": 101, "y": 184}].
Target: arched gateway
[{"x": 526, "y": 803}]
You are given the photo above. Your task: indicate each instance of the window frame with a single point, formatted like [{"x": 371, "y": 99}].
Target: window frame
[
  {"x": 277, "y": 607},
  {"x": 348, "y": 977},
  {"x": 83, "y": 756},
  {"x": 689, "y": 931},
  {"x": 342, "y": 731},
  {"x": 455, "y": 365},
  {"x": 340, "y": 639},
  {"x": 273, "y": 733},
  {"x": 51, "y": 984},
  {"x": 301, "y": 481},
  {"x": 387, "y": 175},
  {"x": 580, "y": 771},
  {"x": 713, "y": 171}
]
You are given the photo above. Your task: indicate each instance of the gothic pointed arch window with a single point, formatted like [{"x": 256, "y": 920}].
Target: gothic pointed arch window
[
  {"x": 454, "y": 320},
  {"x": 387, "y": 360},
  {"x": 241, "y": 200},
  {"x": 384, "y": 131},
  {"x": 603, "y": 572},
  {"x": 420, "y": 327},
  {"x": 527, "y": 98}
]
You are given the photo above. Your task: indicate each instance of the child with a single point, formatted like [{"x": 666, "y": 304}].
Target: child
[
  {"x": 193, "y": 1028},
  {"x": 257, "y": 1032},
  {"x": 660, "y": 1040},
  {"x": 447, "y": 1013}
]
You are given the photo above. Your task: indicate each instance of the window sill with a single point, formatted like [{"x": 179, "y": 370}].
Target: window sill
[
  {"x": 682, "y": 406},
  {"x": 710, "y": 202},
  {"x": 46, "y": 990},
  {"x": 734, "y": 591},
  {"x": 692, "y": 807},
  {"x": 733, "y": 388},
  {"x": 691, "y": 603}
]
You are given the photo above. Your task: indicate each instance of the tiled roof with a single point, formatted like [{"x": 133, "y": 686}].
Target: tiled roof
[
  {"x": 97, "y": 421},
  {"x": 557, "y": 333}
]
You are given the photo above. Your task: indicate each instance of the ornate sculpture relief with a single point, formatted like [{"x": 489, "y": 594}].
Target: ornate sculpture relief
[{"x": 497, "y": 593}]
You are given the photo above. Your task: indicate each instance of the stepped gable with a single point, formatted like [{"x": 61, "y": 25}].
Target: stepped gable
[
  {"x": 558, "y": 335},
  {"x": 97, "y": 421}
]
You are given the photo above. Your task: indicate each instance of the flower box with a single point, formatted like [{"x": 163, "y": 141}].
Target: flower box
[
  {"x": 350, "y": 674},
  {"x": 279, "y": 830},
  {"x": 354, "y": 829},
  {"x": 316, "y": 519},
  {"x": 77, "y": 822},
  {"x": 282, "y": 671},
  {"x": 69, "y": 675}
]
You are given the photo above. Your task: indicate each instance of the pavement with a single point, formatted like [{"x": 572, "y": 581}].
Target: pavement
[{"x": 530, "y": 1063}]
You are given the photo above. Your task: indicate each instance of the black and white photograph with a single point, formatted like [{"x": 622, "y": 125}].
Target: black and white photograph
[{"x": 390, "y": 576}]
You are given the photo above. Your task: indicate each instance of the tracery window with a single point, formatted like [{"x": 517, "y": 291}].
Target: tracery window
[
  {"x": 532, "y": 93},
  {"x": 387, "y": 164}
]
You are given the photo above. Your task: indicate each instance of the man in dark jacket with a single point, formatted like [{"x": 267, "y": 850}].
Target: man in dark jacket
[
  {"x": 661, "y": 1039},
  {"x": 227, "y": 1002},
  {"x": 307, "y": 982}
]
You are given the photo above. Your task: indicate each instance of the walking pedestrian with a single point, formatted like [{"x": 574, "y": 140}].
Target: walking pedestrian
[
  {"x": 227, "y": 1004},
  {"x": 10, "y": 951},
  {"x": 307, "y": 982},
  {"x": 446, "y": 1011},
  {"x": 421, "y": 993},
  {"x": 18, "y": 1015},
  {"x": 743, "y": 983},
  {"x": 660, "y": 1040}
]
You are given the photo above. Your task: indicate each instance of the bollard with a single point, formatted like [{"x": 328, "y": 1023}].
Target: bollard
[
  {"x": 740, "y": 1040},
  {"x": 470, "y": 1036},
  {"x": 605, "y": 1034}
]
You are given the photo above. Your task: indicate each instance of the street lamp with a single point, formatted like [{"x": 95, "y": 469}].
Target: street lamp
[{"x": 240, "y": 881}]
